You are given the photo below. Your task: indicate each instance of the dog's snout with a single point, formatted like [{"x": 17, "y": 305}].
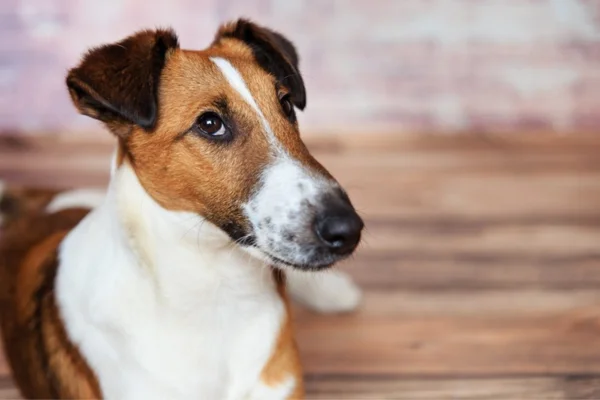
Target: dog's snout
[
  {"x": 301, "y": 218},
  {"x": 339, "y": 229}
]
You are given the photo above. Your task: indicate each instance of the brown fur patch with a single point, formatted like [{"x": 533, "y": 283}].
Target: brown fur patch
[
  {"x": 183, "y": 171},
  {"x": 21, "y": 201},
  {"x": 285, "y": 359},
  {"x": 45, "y": 364}
]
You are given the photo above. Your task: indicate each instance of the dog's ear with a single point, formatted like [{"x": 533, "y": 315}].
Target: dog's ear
[
  {"x": 118, "y": 83},
  {"x": 273, "y": 52}
]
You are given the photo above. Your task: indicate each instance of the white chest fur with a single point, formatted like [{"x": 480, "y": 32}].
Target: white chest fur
[{"x": 161, "y": 305}]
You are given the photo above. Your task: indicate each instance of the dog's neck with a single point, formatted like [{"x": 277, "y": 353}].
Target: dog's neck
[{"x": 180, "y": 251}]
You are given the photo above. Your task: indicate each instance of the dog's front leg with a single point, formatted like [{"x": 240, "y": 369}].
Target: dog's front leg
[{"x": 330, "y": 291}]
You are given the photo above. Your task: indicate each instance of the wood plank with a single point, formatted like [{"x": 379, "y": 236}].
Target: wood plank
[
  {"x": 348, "y": 387},
  {"x": 488, "y": 162},
  {"x": 546, "y": 239},
  {"x": 351, "y": 387},
  {"x": 559, "y": 252},
  {"x": 563, "y": 343},
  {"x": 397, "y": 270},
  {"x": 468, "y": 333},
  {"x": 405, "y": 195},
  {"x": 363, "y": 388},
  {"x": 474, "y": 303},
  {"x": 468, "y": 142}
]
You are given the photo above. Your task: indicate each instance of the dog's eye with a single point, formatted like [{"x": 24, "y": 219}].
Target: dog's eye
[
  {"x": 211, "y": 125},
  {"x": 286, "y": 105}
]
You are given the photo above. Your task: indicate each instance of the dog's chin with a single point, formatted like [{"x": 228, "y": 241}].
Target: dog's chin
[
  {"x": 318, "y": 266},
  {"x": 282, "y": 263}
]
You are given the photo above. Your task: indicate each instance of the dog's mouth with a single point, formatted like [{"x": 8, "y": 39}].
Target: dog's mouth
[
  {"x": 292, "y": 250},
  {"x": 279, "y": 262}
]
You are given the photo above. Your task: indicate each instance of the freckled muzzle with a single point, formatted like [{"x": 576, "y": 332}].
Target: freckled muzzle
[
  {"x": 301, "y": 219},
  {"x": 330, "y": 231}
]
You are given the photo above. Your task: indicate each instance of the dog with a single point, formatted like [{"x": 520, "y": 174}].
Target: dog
[{"x": 174, "y": 285}]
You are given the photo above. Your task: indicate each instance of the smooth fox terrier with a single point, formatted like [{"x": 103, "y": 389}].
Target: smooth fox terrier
[{"x": 173, "y": 286}]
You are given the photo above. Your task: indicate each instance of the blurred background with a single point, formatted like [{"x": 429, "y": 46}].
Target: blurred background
[
  {"x": 379, "y": 65},
  {"x": 467, "y": 133}
]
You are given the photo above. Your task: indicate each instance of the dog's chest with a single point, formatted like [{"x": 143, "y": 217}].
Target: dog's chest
[
  {"x": 217, "y": 352},
  {"x": 210, "y": 343}
]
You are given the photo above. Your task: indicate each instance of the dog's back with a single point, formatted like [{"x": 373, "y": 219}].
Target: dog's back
[{"x": 32, "y": 334}]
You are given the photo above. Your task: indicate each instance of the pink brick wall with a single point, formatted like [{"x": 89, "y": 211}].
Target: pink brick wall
[{"x": 435, "y": 65}]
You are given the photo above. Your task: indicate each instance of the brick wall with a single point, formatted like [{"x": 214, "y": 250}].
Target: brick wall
[{"x": 434, "y": 65}]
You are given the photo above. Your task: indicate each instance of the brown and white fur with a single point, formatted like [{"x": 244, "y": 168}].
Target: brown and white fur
[{"x": 173, "y": 286}]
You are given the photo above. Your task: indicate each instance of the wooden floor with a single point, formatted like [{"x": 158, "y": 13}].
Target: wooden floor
[{"x": 480, "y": 265}]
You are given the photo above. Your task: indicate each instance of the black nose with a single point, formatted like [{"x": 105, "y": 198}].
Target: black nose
[{"x": 339, "y": 230}]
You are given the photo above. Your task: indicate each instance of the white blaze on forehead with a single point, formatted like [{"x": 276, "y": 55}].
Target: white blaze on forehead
[{"x": 236, "y": 81}]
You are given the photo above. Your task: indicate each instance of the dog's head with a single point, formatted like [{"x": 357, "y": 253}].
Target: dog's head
[{"x": 214, "y": 132}]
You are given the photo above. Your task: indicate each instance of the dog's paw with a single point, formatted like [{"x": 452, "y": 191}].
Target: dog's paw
[{"x": 325, "y": 292}]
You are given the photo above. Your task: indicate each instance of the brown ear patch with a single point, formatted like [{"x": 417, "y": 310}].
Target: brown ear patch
[
  {"x": 118, "y": 83},
  {"x": 272, "y": 51}
]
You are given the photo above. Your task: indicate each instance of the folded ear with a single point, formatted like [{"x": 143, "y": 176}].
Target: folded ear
[
  {"x": 273, "y": 52},
  {"x": 118, "y": 83}
]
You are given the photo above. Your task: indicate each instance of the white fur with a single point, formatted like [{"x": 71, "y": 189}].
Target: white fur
[
  {"x": 162, "y": 305},
  {"x": 325, "y": 292},
  {"x": 113, "y": 162},
  {"x": 236, "y": 81},
  {"x": 84, "y": 198}
]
